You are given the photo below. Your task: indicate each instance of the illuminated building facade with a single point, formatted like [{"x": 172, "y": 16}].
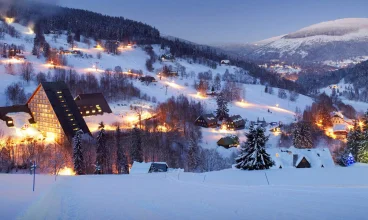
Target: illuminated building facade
[{"x": 56, "y": 112}]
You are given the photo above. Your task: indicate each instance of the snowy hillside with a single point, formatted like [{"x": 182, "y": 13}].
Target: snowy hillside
[
  {"x": 256, "y": 104},
  {"x": 336, "y": 40},
  {"x": 228, "y": 194}
]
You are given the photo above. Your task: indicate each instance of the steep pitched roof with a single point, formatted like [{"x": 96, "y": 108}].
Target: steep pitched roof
[
  {"x": 93, "y": 99},
  {"x": 51, "y": 90},
  {"x": 237, "y": 119},
  {"x": 316, "y": 157}
]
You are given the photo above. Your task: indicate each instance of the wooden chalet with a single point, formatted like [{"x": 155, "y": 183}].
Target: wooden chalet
[
  {"x": 229, "y": 141},
  {"x": 149, "y": 167},
  {"x": 167, "y": 58},
  {"x": 148, "y": 79},
  {"x": 225, "y": 62},
  {"x": 92, "y": 104},
  {"x": 235, "y": 122},
  {"x": 206, "y": 121}
]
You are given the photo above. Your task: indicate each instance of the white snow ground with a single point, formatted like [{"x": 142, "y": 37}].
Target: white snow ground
[{"x": 326, "y": 193}]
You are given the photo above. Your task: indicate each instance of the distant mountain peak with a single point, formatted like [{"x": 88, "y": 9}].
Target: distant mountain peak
[{"x": 331, "y": 40}]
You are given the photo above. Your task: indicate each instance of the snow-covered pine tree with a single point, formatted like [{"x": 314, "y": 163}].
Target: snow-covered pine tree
[
  {"x": 222, "y": 110},
  {"x": 102, "y": 154},
  {"x": 122, "y": 161},
  {"x": 254, "y": 155},
  {"x": 354, "y": 140},
  {"x": 78, "y": 154},
  {"x": 302, "y": 137},
  {"x": 137, "y": 152}
]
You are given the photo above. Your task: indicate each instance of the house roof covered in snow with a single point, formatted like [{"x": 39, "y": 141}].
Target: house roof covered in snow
[
  {"x": 139, "y": 168},
  {"x": 317, "y": 157},
  {"x": 209, "y": 118},
  {"x": 237, "y": 120}
]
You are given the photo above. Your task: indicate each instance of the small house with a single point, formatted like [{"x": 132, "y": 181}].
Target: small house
[
  {"x": 206, "y": 121},
  {"x": 235, "y": 122},
  {"x": 167, "y": 58},
  {"x": 76, "y": 52},
  {"x": 65, "y": 52},
  {"x": 149, "y": 167},
  {"x": 340, "y": 131},
  {"x": 92, "y": 104},
  {"x": 147, "y": 79},
  {"x": 225, "y": 62},
  {"x": 301, "y": 158},
  {"x": 229, "y": 141}
]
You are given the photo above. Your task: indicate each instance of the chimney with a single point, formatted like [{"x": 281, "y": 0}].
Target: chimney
[{"x": 295, "y": 159}]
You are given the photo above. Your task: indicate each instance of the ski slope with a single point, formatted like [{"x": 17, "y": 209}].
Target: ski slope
[{"x": 329, "y": 193}]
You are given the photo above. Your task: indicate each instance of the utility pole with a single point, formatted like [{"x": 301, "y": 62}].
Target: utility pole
[{"x": 166, "y": 89}]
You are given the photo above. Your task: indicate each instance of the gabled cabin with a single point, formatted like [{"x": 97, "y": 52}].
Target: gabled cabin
[
  {"x": 229, "y": 141},
  {"x": 206, "y": 121},
  {"x": 148, "y": 79},
  {"x": 167, "y": 58},
  {"x": 225, "y": 62},
  {"x": 301, "y": 158},
  {"x": 92, "y": 104},
  {"x": 235, "y": 122}
]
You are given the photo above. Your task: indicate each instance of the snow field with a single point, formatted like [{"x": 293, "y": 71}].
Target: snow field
[{"x": 227, "y": 194}]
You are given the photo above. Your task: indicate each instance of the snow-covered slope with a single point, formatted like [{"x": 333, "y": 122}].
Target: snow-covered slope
[
  {"x": 324, "y": 193},
  {"x": 256, "y": 103},
  {"x": 332, "y": 40}
]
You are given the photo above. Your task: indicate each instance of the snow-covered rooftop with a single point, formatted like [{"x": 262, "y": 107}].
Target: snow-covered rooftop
[{"x": 316, "y": 157}]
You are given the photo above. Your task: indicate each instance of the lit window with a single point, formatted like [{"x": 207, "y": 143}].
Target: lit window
[
  {"x": 99, "y": 110},
  {"x": 87, "y": 112},
  {"x": 58, "y": 92},
  {"x": 10, "y": 122}
]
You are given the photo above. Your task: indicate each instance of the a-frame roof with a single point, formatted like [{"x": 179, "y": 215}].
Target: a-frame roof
[{"x": 51, "y": 89}]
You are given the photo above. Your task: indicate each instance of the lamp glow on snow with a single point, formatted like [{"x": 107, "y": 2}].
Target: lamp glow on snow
[
  {"x": 66, "y": 171},
  {"x": 9, "y": 20}
]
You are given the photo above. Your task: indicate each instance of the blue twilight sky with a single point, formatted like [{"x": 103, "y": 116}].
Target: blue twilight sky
[{"x": 226, "y": 21}]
